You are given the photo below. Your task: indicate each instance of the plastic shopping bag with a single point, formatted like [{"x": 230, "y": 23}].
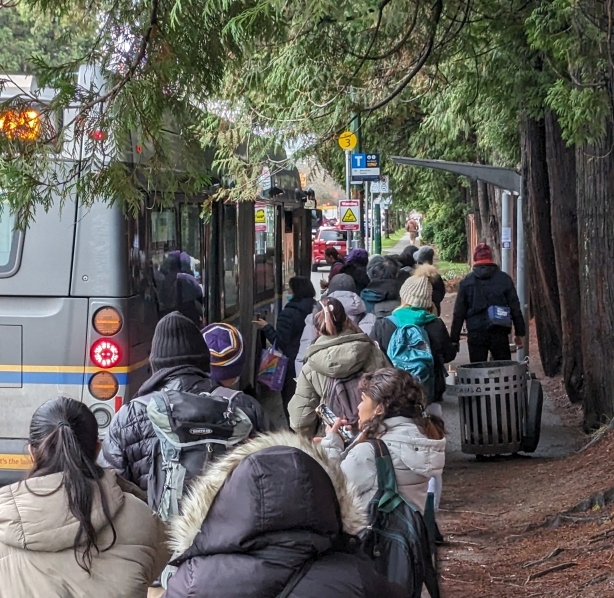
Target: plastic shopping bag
[{"x": 273, "y": 368}]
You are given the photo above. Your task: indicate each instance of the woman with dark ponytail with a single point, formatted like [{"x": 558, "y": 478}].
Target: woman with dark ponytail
[
  {"x": 70, "y": 529},
  {"x": 392, "y": 409}
]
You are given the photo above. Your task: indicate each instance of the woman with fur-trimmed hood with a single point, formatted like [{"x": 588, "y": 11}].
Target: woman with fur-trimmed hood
[{"x": 273, "y": 507}]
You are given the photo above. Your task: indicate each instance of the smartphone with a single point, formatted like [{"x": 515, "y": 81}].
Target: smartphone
[{"x": 329, "y": 418}]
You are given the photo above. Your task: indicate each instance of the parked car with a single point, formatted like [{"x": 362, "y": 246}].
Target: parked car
[{"x": 327, "y": 236}]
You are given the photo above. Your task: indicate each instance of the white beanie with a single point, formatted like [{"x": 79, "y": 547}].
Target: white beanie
[{"x": 417, "y": 290}]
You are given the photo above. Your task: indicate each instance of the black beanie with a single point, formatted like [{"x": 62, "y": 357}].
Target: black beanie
[{"x": 178, "y": 341}]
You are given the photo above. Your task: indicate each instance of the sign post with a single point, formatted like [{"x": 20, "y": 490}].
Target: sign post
[{"x": 347, "y": 142}]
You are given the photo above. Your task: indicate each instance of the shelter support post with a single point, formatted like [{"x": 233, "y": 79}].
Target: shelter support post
[
  {"x": 521, "y": 277},
  {"x": 506, "y": 232}
]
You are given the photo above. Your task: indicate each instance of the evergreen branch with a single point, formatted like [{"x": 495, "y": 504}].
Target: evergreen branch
[{"x": 417, "y": 67}]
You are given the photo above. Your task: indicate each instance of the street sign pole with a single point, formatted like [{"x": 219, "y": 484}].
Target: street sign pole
[{"x": 348, "y": 140}]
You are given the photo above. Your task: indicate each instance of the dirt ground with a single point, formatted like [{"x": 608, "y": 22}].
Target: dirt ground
[{"x": 527, "y": 526}]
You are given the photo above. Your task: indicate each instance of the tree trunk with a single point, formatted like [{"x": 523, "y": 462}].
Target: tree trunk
[
  {"x": 484, "y": 207},
  {"x": 494, "y": 200},
  {"x": 563, "y": 219},
  {"x": 544, "y": 291},
  {"x": 595, "y": 200}
]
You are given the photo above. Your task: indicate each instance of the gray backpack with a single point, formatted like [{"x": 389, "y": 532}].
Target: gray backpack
[{"x": 192, "y": 430}]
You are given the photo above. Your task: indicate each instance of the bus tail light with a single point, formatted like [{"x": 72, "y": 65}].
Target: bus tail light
[
  {"x": 105, "y": 353},
  {"x": 107, "y": 321},
  {"x": 103, "y": 386}
]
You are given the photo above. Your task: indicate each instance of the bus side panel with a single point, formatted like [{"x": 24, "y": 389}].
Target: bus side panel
[
  {"x": 46, "y": 259},
  {"x": 52, "y": 362},
  {"x": 101, "y": 259}
]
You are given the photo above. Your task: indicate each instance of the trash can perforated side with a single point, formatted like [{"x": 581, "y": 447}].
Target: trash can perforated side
[{"x": 492, "y": 400}]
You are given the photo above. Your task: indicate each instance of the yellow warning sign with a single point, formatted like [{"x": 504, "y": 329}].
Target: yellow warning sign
[
  {"x": 349, "y": 216},
  {"x": 260, "y": 216}
]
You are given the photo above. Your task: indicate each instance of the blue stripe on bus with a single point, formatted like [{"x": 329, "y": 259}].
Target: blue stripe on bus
[{"x": 52, "y": 378}]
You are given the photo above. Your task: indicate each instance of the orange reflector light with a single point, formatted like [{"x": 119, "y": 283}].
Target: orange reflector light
[
  {"x": 103, "y": 386},
  {"x": 25, "y": 125},
  {"x": 107, "y": 321}
]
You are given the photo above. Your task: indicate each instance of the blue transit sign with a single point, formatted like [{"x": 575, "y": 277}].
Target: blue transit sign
[{"x": 365, "y": 167}]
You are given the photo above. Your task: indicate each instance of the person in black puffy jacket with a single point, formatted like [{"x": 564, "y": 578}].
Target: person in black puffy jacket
[
  {"x": 486, "y": 286},
  {"x": 286, "y": 334},
  {"x": 272, "y": 507},
  {"x": 180, "y": 360}
]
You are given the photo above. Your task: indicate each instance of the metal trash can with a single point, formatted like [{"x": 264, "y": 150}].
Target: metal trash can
[{"x": 492, "y": 399}]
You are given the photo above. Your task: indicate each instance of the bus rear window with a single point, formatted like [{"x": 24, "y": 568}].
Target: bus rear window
[{"x": 9, "y": 241}]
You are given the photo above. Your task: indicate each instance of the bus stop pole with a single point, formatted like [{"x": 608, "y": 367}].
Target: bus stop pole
[
  {"x": 348, "y": 195},
  {"x": 506, "y": 237},
  {"x": 521, "y": 277}
]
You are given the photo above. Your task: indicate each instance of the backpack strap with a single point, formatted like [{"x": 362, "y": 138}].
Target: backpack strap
[
  {"x": 296, "y": 577},
  {"x": 226, "y": 393},
  {"x": 389, "y": 498}
]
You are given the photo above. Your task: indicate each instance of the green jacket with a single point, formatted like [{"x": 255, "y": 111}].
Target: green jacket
[{"x": 330, "y": 357}]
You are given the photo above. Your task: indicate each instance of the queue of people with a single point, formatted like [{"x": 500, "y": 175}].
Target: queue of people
[{"x": 185, "y": 489}]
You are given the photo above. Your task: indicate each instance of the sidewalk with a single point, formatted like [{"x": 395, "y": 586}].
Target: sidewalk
[{"x": 402, "y": 244}]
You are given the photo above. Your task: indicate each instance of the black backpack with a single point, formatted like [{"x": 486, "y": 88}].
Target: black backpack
[
  {"x": 397, "y": 538},
  {"x": 192, "y": 429}
]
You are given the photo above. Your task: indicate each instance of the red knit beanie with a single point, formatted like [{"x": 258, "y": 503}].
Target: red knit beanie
[{"x": 482, "y": 255}]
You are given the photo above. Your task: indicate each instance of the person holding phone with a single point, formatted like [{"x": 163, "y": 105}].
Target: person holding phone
[{"x": 392, "y": 409}]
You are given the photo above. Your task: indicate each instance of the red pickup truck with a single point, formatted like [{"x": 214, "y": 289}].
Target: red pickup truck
[{"x": 327, "y": 236}]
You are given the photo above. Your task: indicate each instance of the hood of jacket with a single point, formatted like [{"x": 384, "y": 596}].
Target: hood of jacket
[
  {"x": 407, "y": 316},
  {"x": 340, "y": 356},
  {"x": 181, "y": 377},
  {"x": 418, "y": 453},
  {"x": 486, "y": 271},
  {"x": 384, "y": 289},
  {"x": 33, "y": 516},
  {"x": 275, "y": 489},
  {"x": 354, "y": 306}
]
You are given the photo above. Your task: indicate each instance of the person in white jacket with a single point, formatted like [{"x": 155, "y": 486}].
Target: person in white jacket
[
  {"x": 343, "y": 288},
  {"x": 392, "y": 409}
]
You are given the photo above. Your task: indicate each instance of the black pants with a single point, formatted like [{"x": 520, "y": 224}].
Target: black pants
[{"x": 496, "y": 342}]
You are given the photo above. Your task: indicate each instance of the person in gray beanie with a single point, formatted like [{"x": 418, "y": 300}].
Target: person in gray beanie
[
  {"x": 180, "y": 360},
  {"x": 343, "y": 288},
  {"x": 426, "y": 255}
]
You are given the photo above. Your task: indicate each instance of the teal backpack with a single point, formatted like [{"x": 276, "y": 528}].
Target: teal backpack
[{"x": 409, "y": 350}]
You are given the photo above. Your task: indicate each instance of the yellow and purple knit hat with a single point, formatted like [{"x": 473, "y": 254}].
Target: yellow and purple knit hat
[{"x": 227, "y": 351}]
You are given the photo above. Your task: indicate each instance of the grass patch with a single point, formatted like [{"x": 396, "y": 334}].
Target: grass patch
[
  {"x": 393, "y": 240},
  {"x": 452, "y": 270}
]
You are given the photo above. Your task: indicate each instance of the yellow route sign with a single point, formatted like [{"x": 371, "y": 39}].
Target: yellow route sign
[{"x": 347, "y": 140}]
